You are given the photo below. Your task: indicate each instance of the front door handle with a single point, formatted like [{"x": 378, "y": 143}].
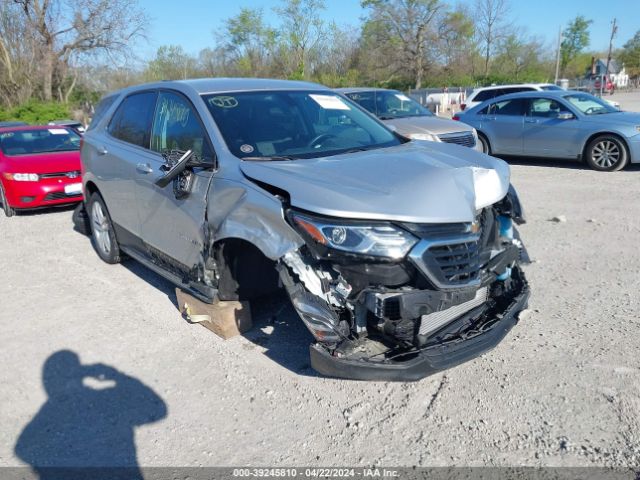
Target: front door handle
[
  {"x": 144, "y": 168},
  {"x": 531, "y": 120},
  {"x": 102, "y": 151}
]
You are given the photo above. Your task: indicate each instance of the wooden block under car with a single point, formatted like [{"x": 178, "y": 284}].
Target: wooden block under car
[{"x": 225, "y": 319}]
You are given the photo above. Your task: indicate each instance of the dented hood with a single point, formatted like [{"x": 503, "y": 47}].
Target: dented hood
[{"x": 420, "y": 182}]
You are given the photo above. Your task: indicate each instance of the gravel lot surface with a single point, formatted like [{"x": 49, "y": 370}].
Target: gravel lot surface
[{"x": 562, "y": 389}]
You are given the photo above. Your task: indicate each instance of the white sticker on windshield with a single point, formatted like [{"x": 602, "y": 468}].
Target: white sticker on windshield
[
  {"x": 58, "y": 131},
  {"x": 402, "y": 97},
  {"x": 330, "y": 102}
]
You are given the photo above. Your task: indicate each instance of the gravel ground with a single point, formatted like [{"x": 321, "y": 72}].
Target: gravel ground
[{"x": 563, "y": 388}]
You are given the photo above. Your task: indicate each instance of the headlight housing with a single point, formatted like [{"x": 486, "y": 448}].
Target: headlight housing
[
  {"x": 370, "y": 239},
  {"x": 22, "y": 177},
  {"x": 424, "y": 136}
]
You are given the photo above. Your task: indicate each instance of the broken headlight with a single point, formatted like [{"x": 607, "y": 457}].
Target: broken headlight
[{"x": 377, "y": 240}]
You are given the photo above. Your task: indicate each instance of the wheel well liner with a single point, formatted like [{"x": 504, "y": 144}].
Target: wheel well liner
[{"x": 244, "y": 271}]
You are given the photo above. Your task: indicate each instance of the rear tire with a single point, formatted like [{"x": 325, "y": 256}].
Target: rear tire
[
  {"x": 607, "y": 153},
  {"x": 8, "y": 210},
  {"x": 103, "y": 236},
  {"x": 484, "y": 143}
]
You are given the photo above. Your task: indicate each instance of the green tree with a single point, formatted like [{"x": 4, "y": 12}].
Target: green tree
[
  {"x": 575, "y": 38},
  {"x": 455, "y": 43},
  {"x": 302, "y": 32},
  {"x": 402, "y": 32},
  {"x": 630, "y": 55},
  {"x": 170, "y": 63},
  {"x": 249, "y": 41}
]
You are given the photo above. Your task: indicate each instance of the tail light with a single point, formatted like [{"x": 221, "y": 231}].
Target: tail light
[
  {"x": 455, "y": 117},
  {"x": 463, "y": 106}
]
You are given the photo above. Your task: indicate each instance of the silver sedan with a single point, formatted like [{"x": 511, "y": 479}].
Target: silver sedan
[{"x": 557, "y": 124}]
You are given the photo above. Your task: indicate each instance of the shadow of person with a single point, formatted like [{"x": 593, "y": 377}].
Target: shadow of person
[{"x": 87, "y": 422}]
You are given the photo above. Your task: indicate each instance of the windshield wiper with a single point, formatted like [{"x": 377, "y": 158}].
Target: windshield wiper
[
  {"x": 270, "y": 158},
  {"x": 387, "y": 117}
]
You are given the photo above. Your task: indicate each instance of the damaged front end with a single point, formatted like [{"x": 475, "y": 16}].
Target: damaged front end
[{"x": 400, "y": 301}]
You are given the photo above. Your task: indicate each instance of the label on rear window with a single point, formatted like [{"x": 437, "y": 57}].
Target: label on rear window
[
  {"x": 403, "y": 98},
  {"x": 330, "y": 102},
  {"x": 58, "y": 131}
]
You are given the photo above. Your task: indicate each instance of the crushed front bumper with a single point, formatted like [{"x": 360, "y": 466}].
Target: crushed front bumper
[{"x": 430, "y": 359}]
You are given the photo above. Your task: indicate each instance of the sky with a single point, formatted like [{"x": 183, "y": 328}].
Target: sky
[{"x": 192, "y": 23}]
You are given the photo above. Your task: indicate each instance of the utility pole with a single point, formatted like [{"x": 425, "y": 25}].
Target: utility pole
[
  {"x": 558, "y": 54},
  {"x": 614, "y": 30}
]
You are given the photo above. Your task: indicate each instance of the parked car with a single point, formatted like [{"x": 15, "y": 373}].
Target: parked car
[
  {"x": 76, "y": 126},
  {"x": 409, "y": 118},
  {"x": 602, "y": 82},
  {"x": 399, "y": 256},
  {"x": 559, "y": 124},
  {"x": 39, "y": 167},
  {"x": 482, "y": 94}
]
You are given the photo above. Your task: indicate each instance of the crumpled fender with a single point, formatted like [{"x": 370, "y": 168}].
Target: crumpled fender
[{"x": 237, "y": 210}]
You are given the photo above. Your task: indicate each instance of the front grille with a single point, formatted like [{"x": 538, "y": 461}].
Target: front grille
[
  {"x": 458, "y": 262},
  {"x": 60, "y": 195},
  {"x": 466, "y": 139},
  {"x": 453, "y": 260},
  {"x": 71, "y": 174},
  {"x": 433, "y": 230}
]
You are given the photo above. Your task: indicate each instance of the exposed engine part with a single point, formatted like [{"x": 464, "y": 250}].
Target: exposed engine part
[
  {"x": 331, "y": 288},
  {"x": 318, "y": 316},
  {"x": 433, "y": 321}
]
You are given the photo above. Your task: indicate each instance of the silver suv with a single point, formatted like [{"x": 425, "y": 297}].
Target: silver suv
[{"x": 399, "y": 256}]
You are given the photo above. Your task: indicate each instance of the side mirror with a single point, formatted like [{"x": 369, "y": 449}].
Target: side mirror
[
  {"x": 565, "y": 116},
  {"x": 173, "y": 170}
]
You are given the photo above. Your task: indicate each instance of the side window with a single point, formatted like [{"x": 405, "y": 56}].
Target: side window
[
  {"x": 132, "y": 121},
  {"x": 484, "y": 95},
  {"x": 507, "y": 107},
  {"x": 176, "y": 129},
  {"x": 101, "y": 109},
  {"x": 365, "y": 99},
  {"x": 545, "y": 107}
]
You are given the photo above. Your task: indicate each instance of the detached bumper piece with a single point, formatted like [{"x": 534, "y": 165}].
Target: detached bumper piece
[{"x": 465, "y": 338}]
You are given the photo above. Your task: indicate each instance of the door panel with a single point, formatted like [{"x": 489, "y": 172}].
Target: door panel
[
  {"x": 117, "y": 153},
  {"x": 545, "y": 135},
  {"x": 503, "y": 123},
  {"x": 172, "y": 224}
]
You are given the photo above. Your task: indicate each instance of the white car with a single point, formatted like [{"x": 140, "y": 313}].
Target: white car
[{"x": 479, "y": 95}]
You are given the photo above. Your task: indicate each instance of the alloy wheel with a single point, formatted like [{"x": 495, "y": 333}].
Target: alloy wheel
[
  {"x": 100, "y": 225},
  {"x": 606, "y": 154}
]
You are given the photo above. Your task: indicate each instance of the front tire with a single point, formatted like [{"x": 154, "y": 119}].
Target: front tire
[
  {"x": 484, "y": 143},
  {"x": 607, "y": 153},
  {"x": 8, "y": 210},
  {"x": 103, "y": 236}
]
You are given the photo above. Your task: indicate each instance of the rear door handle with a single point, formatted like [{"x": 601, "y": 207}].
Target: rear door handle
[
  {"x": 144, "y": 168},
  {"x": 531, "y": 120},
  {"x": 102, "y": 151}
]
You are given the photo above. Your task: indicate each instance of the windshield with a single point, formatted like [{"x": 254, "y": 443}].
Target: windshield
[
  {"x": 590, "y": 105},
  {"x": 287, "y": 125},
  {"x": 28, "y": 142},
  {"x": 388, "y": 104}
]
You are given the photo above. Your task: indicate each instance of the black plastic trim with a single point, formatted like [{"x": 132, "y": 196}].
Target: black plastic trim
[{"x": 429, "y": 360}]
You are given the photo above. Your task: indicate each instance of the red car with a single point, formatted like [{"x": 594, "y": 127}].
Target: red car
[{"x": 39, "y": 167}]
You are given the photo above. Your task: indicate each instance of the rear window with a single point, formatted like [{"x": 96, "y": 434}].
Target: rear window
[
  {"x": 101, "y": 110},
  {"x": 30, "y": 142},
  {"x": 132, "y": 121}
]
